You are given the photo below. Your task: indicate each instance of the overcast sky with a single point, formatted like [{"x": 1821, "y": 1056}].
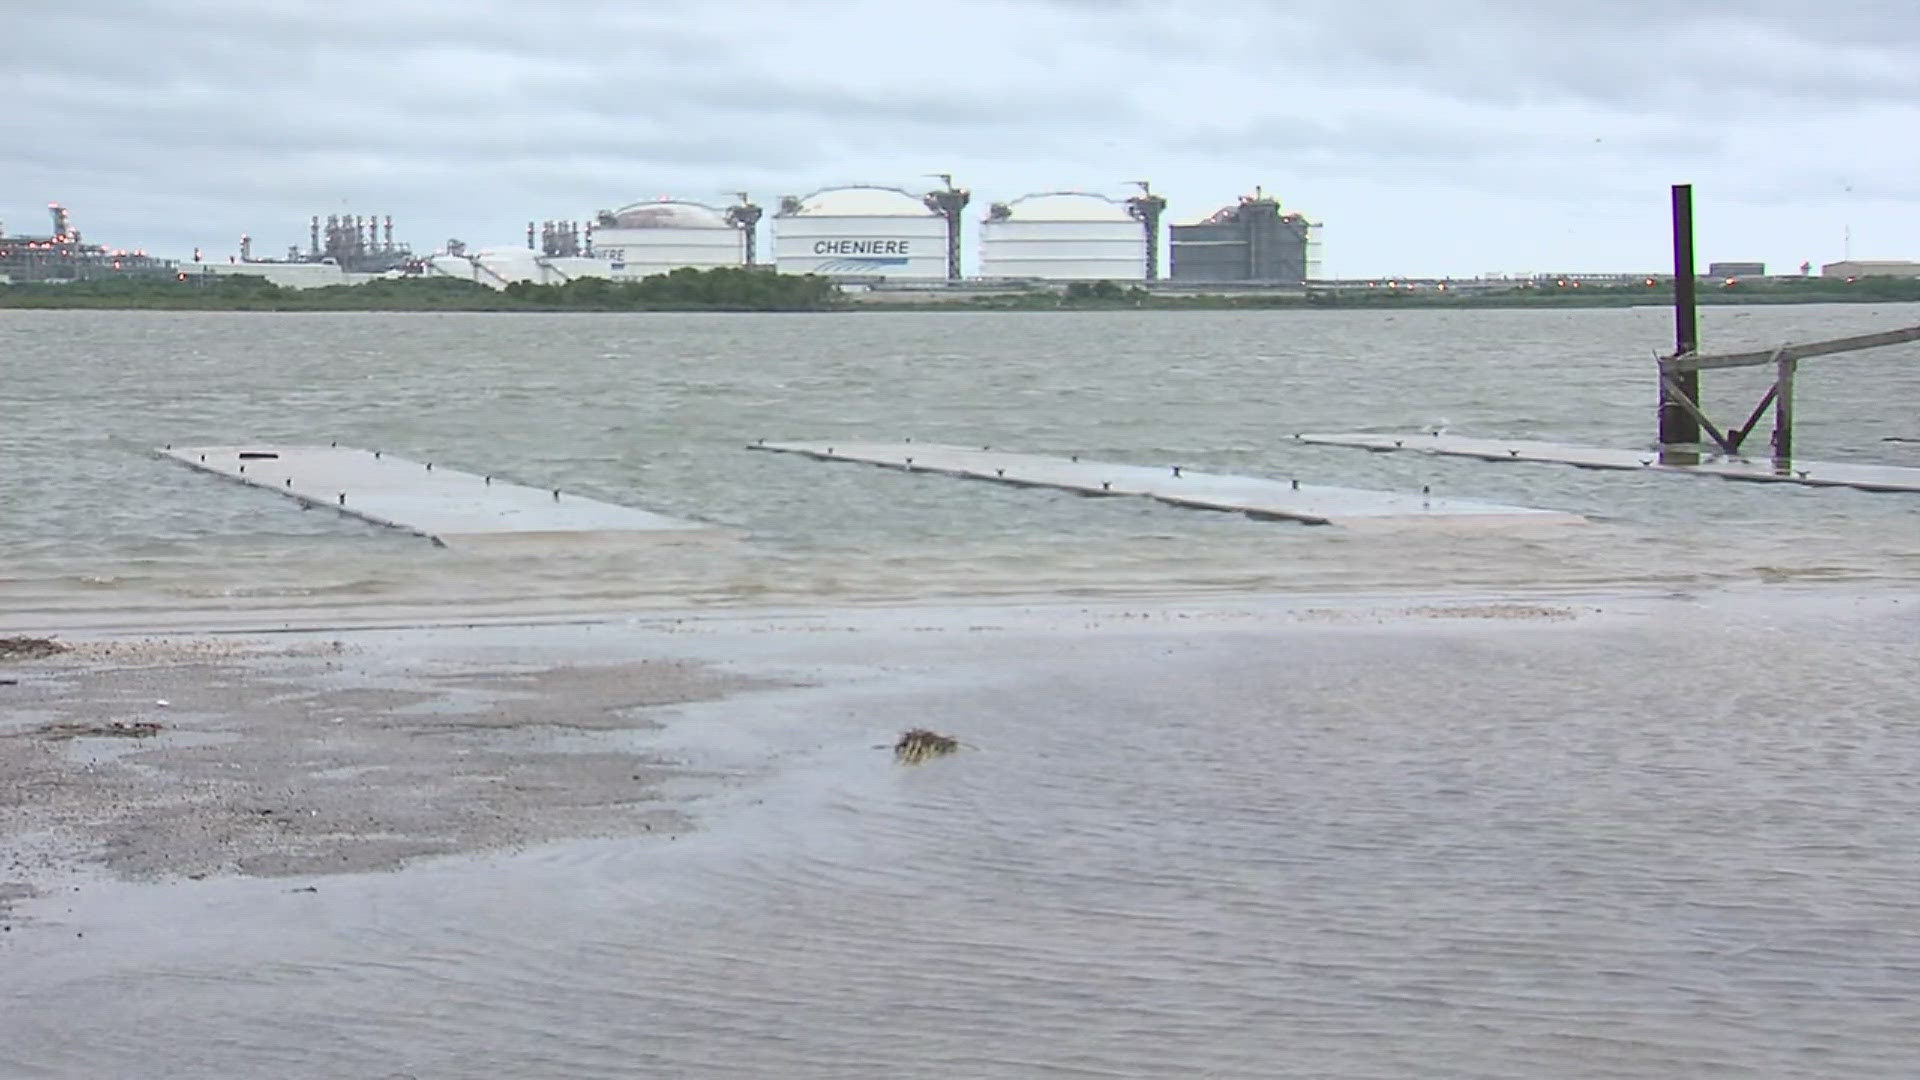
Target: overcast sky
[{"x": 1442, "y": 137}]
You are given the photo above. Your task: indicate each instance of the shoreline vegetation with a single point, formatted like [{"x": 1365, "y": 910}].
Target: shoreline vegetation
[{"x": 742, "y": 290}]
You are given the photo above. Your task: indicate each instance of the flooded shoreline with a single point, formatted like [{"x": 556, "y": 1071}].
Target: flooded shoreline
[
  {"x": 1185, "y": 835},
  {"x": 1231, "y": 797}
]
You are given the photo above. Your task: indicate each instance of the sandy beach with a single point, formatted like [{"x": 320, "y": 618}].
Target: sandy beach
[{"x": 183, "y": 757}]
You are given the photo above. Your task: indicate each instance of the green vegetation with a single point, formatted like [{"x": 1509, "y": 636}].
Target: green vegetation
[
  {"x": 1397, "y": 295},
  {"x": 721, "y": 289},
  {"x": 245, "y": 292},
  {"x": 1106, "y": 295},
  {"x": 739, "y": 289},
  {"x": 1798, "y": 290},
  {"x": 725, "y": 289}
]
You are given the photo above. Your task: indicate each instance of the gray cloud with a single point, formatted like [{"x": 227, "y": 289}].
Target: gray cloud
[{"x": 1430, "y": 138}]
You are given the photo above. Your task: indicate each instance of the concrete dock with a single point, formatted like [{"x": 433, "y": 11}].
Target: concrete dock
[
  {"x": 445, "y": 505},
  {"x": 1288, "y": 500},
  {"x": 1811, "y": 473}
]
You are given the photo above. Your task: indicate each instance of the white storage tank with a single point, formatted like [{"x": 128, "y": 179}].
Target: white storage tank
[
  {"x": 1063, "y": 236},
  {"x": 860, "y": 231},
  {"x": 497, "y": 268},
  {"x": 647, "y": 238}
]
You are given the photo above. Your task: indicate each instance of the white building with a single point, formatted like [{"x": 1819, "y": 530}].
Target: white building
[
  {"x": 860, "y": 232},
  {"x": 1063, "y": 236},
  {"x": 636, "y": 241},
  {"x": 495, "y": 268},
  {"x": 287, "y": 275},
  {"x": 647, "y": 238},
  {"x": 1859, "y": 268}
]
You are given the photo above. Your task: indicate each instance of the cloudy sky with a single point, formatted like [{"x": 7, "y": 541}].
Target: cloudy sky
[{"x": 1430, "y": 138}]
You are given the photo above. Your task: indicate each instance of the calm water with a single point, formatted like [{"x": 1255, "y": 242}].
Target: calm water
[
  {"x": 653, "y": 410},
  {"x": 1209, "y": 836}
]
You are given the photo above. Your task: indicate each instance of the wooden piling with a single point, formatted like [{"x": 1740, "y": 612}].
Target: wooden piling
[
  {"x": 1783, "y": 412},
  {"x": 1678, "y": 426}
]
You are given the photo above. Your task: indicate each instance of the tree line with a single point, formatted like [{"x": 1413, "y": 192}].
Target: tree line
[{"x": 722, "y": 289}]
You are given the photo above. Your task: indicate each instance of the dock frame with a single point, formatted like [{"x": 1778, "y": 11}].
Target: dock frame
[
  {"x": 1785, "y": 360},
  {"x": 1681, "y": 417}
]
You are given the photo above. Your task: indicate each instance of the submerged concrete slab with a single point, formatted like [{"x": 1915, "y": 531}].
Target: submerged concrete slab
[
  {"x": 1289, "y": 500},
  {"x": 445, "y": 505},
  {"x": 1812, "y": 473}
]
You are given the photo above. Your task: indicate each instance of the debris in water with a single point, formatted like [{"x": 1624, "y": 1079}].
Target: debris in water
[
  {"x": 137, "y": 729},
  {"x": 920, "y": 744},
  {"x": 29, "y": 648}
]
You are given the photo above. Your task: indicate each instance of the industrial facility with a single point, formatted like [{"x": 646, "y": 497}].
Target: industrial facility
[
  {"x": 871, "y": 232},
  {"x": 638, "y": 240},
  {"x": 63, "y": 256},
  {"x": 346, "y": 250},
  {"x": 655, "y": 237},
  {"x": 1250, "y": 241},
  {"x": 1859, "y": 268},
  {"x": 865, "y": 235},
  {"x": 352, "y": 243},
  {"x": 873, "y": 235},
  {"x": 1070, "y": 236}
]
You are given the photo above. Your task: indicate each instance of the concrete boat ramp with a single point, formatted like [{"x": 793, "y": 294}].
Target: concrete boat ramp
[
  {"x": 1288, "y": 500},
  {"x": 1811, "y": 473},
  {"x": 445, "y": 505}
]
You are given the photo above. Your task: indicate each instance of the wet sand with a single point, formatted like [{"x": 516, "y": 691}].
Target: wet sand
[
  {"x": 195, "y": 756},
  {"x": 324, "y": 751},
  {"x": 1655, "y": 835}
]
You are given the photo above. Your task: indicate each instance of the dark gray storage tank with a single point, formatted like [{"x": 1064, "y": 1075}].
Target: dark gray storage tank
[{"x": 1249, "y": 241}]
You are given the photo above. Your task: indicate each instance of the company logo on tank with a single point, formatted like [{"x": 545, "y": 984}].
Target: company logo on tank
[
  {"x": 853, "y": 266},
  {"x": 861, "y": 247}
]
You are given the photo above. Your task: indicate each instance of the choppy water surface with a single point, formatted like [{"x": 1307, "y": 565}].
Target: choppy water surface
[
  {"x": 654, "y": 410},
  {"x": 1197, "y": 837}
]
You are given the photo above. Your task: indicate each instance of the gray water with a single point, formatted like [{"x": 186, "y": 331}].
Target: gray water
[
  {"x": 1656, "y": 839},
  {"x": 654, "y": 410},
  {"x": 1217, "y": 834}
]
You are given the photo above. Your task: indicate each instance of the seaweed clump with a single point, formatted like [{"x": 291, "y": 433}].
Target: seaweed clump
[
  {"x": 920, "y": 744},
  {"x": 29, "y": 648},
  {"x": 116, "y": 729}
]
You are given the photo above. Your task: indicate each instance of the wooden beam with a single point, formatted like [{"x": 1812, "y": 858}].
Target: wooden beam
[
  {"x": 1783, "y": 411},
  {"x": 1739, "y": 435},
  {"x": 1673, "y": 365},
  {"x": 1677, "y": 394}
]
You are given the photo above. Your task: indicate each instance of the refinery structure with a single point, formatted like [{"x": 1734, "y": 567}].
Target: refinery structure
[
  {"x": 344, "y": 249},
  {"x": 62, "y": 255},
  {"x": 863, "y": 235}
]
